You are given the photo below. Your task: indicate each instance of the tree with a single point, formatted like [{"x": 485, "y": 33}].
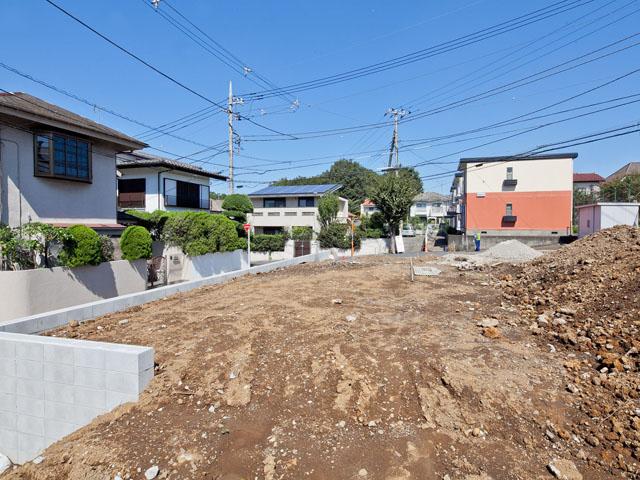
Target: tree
[
  {"x": 328, "y": 209},
  {"x": 626, "y": 189},
  {"x": 411, "y": 176},
  {"x": 393, "y": 195},
  {"x": 356, "y": 180},
  {"x": 238, "y": 203}
]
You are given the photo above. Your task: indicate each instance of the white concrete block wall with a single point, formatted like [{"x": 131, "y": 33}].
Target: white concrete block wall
[{"x": 50, "y": 387}]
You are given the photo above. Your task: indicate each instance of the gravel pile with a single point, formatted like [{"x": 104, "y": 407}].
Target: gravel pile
[
  {"x": 584, "y": 299},
  {"x": 511, "y": 251}
]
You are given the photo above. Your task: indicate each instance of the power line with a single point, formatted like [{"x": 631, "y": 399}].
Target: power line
[
  {"x": 156, "y": 70},
  {"x": 535, "y": 16}
]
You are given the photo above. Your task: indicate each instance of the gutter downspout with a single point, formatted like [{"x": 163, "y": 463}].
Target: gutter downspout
[
  {"x": 159, "y": 193},
  {"x": 19, "y": 183}
]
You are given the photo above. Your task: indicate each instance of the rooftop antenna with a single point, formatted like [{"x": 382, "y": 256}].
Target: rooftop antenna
[{"x": 155, "y": 3}]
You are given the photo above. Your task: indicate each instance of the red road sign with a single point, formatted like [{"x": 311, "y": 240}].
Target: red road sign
[{"x": 247, "y": 227}]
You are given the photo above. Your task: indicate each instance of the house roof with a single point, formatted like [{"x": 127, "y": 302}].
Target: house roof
[
  {"x": 368, "y": 202},
  {"x": 587, "y": 177},
  {"x": 291, "y": 190},
  {"x": 609, "y": 204},
  {"x": 518, "y": 158},
  {"x": 145, "y": 160},
  {"x": 431, "y": 197},
  {"x": 631, "y": 168},
  {"x": 34, "y": 110}
]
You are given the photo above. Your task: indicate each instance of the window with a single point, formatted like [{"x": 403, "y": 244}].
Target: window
[
  {"x": 306, "y": 202},
  {"x": 509, "y": 173},
  {"x": 588, "y": 223},
  {"x": 131, "y": 192},
  {"x": 509, "y": 210},
  {"x": 272, "y": 230},
  {"x": 185, "y": 194},
  {"x": 60, "y": 156},
  {"x": 421, "y": 205},
  {"x": 274, "y": 202}
]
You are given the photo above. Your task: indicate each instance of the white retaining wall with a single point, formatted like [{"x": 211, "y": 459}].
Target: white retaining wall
[
  {"x": 28, "y": 292},
  {"x": 368, "y": 246},
  {"x": 50, "y": 387},
  {"x": 181, "y": 267}
]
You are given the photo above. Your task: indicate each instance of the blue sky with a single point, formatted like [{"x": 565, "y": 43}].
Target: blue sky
[{"x": 289, "y": 42}]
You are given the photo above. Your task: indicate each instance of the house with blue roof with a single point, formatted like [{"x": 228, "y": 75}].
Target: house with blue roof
[{"x": 279, "y": 208}]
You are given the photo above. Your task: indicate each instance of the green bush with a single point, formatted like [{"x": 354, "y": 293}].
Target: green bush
[
  {"x": 338, "y": 235},
  {"x": 373, "y": 233},
  {"x": 328, "y": 207},
  {"x": 237, "y": 202},
  {"x": 154, "y": 221},
  {"x": 82, "y": 247},
  {"x": 135, "y": 243},
  {"x": 106, "y": 248},
  {"x": 198, "y": 233},
  {"x": 268, "y": 243},
  {"x": 241, "y": 244},
  {"x": 302, "y": 233}
]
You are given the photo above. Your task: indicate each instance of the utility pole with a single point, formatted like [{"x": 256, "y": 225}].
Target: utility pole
[
  {"x": 393, "y": 151},
  {"x": 231, "y": 102}
]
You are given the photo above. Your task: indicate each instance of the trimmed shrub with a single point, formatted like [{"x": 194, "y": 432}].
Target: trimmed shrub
[
  {"x": 198, "y": 233},
  {"x": 338, "y": 235},
  {"x": 153, "y": 221},
  {"x": 268, "y": 243},
  {"x": 373, "y": 233},
  {"x": 135, "y": 243},
  {"x": 241, "y": 244},
  {"x": 82, "y": 247},
  {"x": 302, "y": 233},
  {"x": 237, "y": 202}
]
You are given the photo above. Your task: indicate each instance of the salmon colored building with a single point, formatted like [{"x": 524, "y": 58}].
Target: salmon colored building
[{"x": 515, "y": 196}]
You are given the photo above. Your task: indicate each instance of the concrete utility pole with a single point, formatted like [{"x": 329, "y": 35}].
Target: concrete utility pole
[
  {"x": 393, "y": 150},
  {"x": 230, "y": 114}
]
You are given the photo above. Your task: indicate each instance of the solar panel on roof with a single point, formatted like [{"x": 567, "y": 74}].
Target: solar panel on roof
[{"x": 297, "y": 189}]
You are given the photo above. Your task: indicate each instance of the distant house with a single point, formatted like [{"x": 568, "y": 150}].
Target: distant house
[
  {"x": 150, "y": 183},
  {"x": 368, "y": 207},
  {"x": 279, "y": 208},
  {"x": 430, "y": 205},
  {"x": 597, "y": 216},
  {"x": 587, "y": 182},
  {"x": 631, "y": 168},
  {"x": 57, "y": 167},
  {"x": 515, "y": 196}
]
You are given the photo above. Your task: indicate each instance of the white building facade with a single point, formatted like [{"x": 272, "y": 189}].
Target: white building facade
[
  {"x": 595, "y": 217},
  {"x": 57, "y": 167},
  {"x": 152, "y": 183},
  {"x": 279, "y": 208}
]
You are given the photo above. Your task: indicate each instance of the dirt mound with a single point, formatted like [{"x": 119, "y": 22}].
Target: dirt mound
[
  {"x": 585, "y": 297},
  {"x": 511, "y": 251}
]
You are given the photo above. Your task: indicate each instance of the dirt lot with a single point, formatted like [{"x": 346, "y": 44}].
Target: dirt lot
[{"x": 335, "y": 371}]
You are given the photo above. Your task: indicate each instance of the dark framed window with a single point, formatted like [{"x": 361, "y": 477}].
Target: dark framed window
[
  {"x": 509, "y": 210},
  {"x": 509, "y": 173},
  {"x": 276, "y": 202},
  {"x": 306, "y": 202},
  {"x": 185, "y": 194},
  {"x": 131, "y": 192},
  {"x": 272, "y": 230},
  {"x": 62, "y": 156}
]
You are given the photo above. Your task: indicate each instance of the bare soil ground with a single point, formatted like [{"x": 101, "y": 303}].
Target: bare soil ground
[{"x": 336, "y": 370}]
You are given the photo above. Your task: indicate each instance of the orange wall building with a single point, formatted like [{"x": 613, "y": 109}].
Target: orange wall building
[{"x": 516, "y": 195}]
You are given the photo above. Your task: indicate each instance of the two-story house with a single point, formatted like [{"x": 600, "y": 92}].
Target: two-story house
[
  {"x": 588, "y": 183},
  {"x": 430, "y": 205},
  {"x": 517, "y": 196},
  {"x": 148, "y": 182},
  {"x": 57, "y": 167},
  {"x": 279, "y": 208}
]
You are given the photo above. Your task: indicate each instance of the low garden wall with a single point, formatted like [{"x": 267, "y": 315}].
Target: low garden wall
[
  {"x": 183, "y": 268},
  {"x": 368, "y": 246},
  {"x": 28, "y": 292},
  {"x": 261, "y": 257}
]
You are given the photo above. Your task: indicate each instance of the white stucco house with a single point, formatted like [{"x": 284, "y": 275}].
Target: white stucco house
[
  {"x": 57, "y": 167},
  {"x": 597, "y": 216},
  {"x": 368, "y": 208},
  {"x": 279, "y": 208},
  {"x": 147, "y": 182},
  {"x": 430, "y": 205}
]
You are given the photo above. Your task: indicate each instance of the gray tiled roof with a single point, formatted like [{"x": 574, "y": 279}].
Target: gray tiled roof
[
  {"x": 22, "y": 105},
  {"x": 142, "y": 159},
  {"x": 631, "y": 168},
  {"x": 431, "y": 197}
]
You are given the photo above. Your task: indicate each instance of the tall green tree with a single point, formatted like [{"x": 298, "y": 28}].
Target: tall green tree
[
  {"x": 328, "y": 207},
  {"x": 626, "y": 189},
  {"x": 393, "y": 195}
]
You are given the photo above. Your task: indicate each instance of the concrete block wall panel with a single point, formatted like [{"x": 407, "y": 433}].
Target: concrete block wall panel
[{"x": 50, "y": 387}]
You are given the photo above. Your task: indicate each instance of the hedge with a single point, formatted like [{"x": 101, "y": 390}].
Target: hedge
[
  {"x": 237, "y": 202},
  {"x": 83, "y": 247},
  {"x": 302, "y": 233},
  {"x": 268, "y": 243},
  {"x": 135, "y": 243},
  {"x": 338, "y": 235},
  {"x": 199, "y": 233}
]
